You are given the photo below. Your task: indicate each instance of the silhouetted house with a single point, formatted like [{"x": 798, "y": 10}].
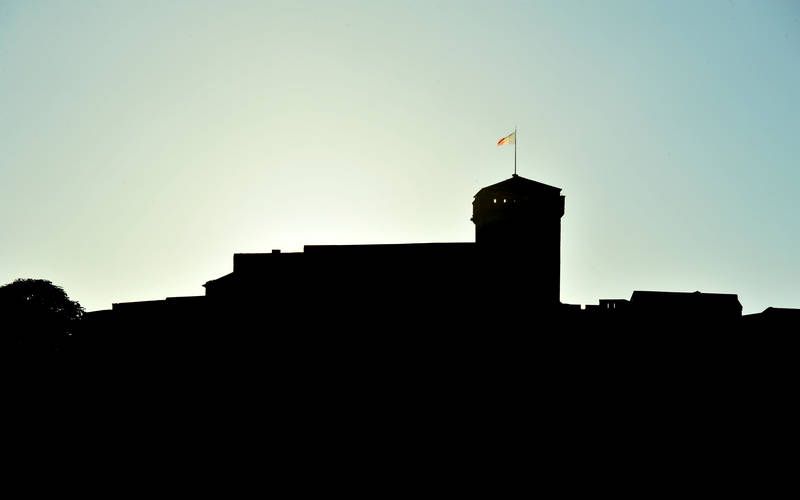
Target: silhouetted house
[
  {"x": 685, "y": 307},
  {"x": 652, "y": 310},
  {"x": 355, "y": 285},
  {"x": 514, "y": 262},
  {"x": 773, "y": 319}
]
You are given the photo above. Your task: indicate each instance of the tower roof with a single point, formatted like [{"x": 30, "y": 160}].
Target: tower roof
[{"x": 520, "y": 185}]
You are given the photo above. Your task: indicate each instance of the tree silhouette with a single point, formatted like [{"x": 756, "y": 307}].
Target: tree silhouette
[{"x": 36, "y": 315}]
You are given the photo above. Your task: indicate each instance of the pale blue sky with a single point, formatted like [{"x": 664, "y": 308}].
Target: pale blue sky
[{"x": 143, "y": 143}]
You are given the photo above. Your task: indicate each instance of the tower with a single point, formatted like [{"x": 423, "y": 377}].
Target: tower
[{"x": 518, "y": 237}]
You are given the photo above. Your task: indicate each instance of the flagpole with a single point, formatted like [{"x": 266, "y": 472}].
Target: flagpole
[{"x": 515, "y": 150}]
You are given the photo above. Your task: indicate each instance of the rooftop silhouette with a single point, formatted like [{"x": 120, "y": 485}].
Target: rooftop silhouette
[{"x": 507, "y": 279}]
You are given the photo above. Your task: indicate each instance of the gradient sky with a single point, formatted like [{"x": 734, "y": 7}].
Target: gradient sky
[{"x": 142, "y": 143}]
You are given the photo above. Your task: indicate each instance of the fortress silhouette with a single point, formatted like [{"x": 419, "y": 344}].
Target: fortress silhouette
[
  {"x": 440, "y": 354},
  {"x": 508, "y": 280}
]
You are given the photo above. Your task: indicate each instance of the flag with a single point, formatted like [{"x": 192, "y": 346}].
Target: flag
[{"x": 509, "y": 139}]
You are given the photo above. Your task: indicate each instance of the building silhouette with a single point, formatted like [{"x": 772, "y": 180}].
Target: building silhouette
[
  {"x": 507, "y": 280},
  {"x": 518, "y": 221},
  {"x": 401, "y": 352}
]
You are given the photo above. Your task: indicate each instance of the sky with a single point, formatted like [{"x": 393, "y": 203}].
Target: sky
[{"x": 143, "y": 143}]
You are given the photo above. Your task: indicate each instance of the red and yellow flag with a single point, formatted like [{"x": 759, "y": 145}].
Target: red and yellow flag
[{"x": 509, "y": 139}]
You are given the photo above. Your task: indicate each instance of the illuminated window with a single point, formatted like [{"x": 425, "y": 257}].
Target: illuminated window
[
  {"x": 504, "y": 200},
  {"x": 495, "y": 200}
]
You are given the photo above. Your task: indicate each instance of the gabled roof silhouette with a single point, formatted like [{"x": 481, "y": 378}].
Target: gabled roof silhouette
[
  {"x": 519, "y": 184},
  {"x": 683, "y": 300},
  {"x": 779, "y": 312}
]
